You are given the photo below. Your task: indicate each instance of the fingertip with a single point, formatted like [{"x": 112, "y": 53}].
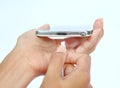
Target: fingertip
[
  {"x": 56, "y": 64},
  {"x": 98, "y": 24},
  {"x": 62, "y": 49},
  {"x": 97, "y": 31},
  {"x": 68, "y": 69},
  {"x": 47, "y": 26},
  {"x": 44, "y": 27}
]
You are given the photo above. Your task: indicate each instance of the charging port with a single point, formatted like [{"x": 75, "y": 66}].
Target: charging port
[{"x": 61, "y": 33}]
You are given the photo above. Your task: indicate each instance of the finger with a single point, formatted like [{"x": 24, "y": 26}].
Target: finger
[
  {"x": 94, "y": 39},
  {"x": 83, "y": 63},
  {"x": 98, "y": 30},
  {"x": 82, "y": 70},
  {"x": 44, "y": 27},
  {"x": 68, "y": 68},
  {"x": 98, "y": 24},
  {"x": 72, "y": 56},
  {"x": 56, "y": 63},
  {"x": 90, "y": 44},
  {"x": 73, "y": 42}
]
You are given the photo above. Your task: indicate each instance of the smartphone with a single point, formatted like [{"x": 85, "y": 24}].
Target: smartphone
[{"x": 62, "y": 32}]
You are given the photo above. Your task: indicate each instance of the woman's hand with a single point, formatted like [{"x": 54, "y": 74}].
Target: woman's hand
[
  {"x": 28, "y": 59},
  {"x": 79, "y": 77},
  {"x": 32, "y": 54}
]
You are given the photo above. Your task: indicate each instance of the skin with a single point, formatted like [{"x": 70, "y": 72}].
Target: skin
[
  {"x": 78, "y": 78},
  {"x": 31, "y": 56},
  {"x": 78, "y": 46}
]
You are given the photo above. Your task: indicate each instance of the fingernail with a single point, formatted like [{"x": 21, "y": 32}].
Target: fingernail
[{"x": 61, "y": 48}]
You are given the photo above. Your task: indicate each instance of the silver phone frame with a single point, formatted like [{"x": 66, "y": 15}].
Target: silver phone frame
[{"x": 62, "y": 34}]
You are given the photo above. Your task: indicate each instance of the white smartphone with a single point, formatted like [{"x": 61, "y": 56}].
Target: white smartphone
[{"x": 62, "y": 32}]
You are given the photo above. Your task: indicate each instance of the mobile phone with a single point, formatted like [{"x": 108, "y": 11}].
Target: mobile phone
[{"x": 62, "y": 32}]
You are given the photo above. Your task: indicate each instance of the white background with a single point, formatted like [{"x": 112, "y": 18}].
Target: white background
[{"x": 18, "y": 16}]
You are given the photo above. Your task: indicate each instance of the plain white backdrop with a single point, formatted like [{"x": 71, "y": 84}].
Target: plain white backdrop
[{"x": 18, "y": 16}]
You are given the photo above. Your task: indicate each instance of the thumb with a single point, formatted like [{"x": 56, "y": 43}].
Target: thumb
[
  {"x": 68, "y": 68},
  {"x": 44, "y": 27},
  {"x": 57, "y": 62}
]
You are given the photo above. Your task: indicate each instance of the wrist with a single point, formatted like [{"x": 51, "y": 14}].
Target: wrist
[{"x": 15, "y": 72}]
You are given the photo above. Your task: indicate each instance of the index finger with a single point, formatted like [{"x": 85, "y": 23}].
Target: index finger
[{"x": 81, "y": 74}]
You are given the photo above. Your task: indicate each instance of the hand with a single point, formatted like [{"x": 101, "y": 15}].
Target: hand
[
  {"x": 77, "y": 46},
  {"x": 32, "y": 54},
  {"x": 83, "y": 45},
  {"x": 28, "y": 59},
  {"x": 79, "y": 77},
  {"x": 37, "y": 50}
]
